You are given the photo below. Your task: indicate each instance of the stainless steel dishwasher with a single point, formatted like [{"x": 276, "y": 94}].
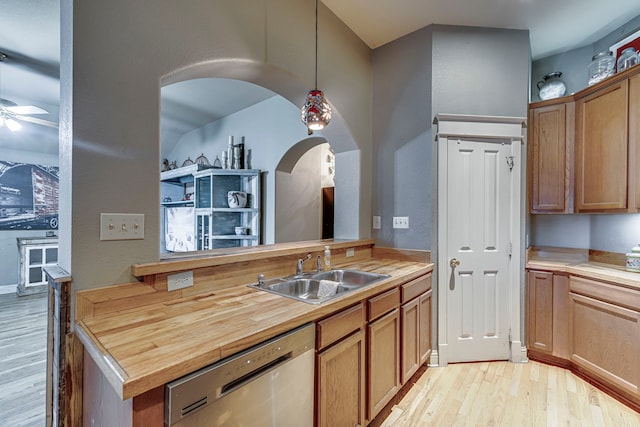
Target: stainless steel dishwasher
[{"x": 270, "y": 384}]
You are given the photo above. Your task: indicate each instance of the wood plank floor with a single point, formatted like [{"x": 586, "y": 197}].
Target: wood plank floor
[
  {"x": 507, "y": 394},
  {"x": 23, "y": 344}
]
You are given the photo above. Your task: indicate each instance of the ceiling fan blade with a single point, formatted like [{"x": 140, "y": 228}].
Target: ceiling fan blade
[
  {"x": 26, "y": 110},
  {"x": 37, "y": 121}
]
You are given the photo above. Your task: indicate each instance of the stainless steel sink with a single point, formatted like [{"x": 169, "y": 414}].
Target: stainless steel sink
[
  {"x": 350, "y": 277},
  {"x": 319, "y": 287}
]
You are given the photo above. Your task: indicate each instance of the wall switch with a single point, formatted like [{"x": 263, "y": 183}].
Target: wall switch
[
  {"x": 119, "y": 226},
  {"x": 350, "y": 252},
  {"x": 376, "y": 222},
  {"x": 400, "y": 222},
  {"x": 180, "y": 280}
]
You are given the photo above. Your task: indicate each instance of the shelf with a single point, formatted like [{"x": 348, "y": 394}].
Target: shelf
[
  {"x": 183, "y": 174},
  {"x": 249, "y": 210},
  {"x": 178, "y": 203},
  {"x": 234, "y": 237}
]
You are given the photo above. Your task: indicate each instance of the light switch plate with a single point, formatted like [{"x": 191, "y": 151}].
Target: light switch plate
[
  {"x": 119, "y": 226},
  {"x": 180, "y": 280},
  {"x": 376, "y": 222},
  {"x": 400, "y": 222},
  {"x": 350, "y": 252}
]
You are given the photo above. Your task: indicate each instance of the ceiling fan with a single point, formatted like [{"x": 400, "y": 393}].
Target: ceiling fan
[{"x": 11, "y": 114}]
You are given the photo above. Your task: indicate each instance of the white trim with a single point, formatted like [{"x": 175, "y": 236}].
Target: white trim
[
  {"x": 433, "y": 360},
  {"x": 8, "y": 289},
  {"x": 488, "y": 128}
]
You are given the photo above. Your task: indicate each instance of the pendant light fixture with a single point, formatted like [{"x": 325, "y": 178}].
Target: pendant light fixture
[{"x": 316, "y": 111}]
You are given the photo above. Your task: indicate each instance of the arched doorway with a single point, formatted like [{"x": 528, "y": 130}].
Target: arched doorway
[{"x": 305, "y": 180}]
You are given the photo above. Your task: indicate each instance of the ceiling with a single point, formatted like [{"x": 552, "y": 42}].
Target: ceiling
[{"x": 29, "y": 35}]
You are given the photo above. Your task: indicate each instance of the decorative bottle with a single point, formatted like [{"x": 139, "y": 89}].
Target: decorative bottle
[{"x": 327, "y": 258}]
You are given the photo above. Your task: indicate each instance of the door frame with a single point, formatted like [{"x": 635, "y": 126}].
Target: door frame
[{"x": 511, "y": 130}]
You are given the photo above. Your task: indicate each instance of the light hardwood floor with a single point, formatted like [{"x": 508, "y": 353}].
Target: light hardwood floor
[
  {"x": 23, "y": 344},
  {"x": 507, "y": 394}
]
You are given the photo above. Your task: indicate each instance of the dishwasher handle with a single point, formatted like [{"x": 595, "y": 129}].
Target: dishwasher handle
[{"x": 248, "y": 377}]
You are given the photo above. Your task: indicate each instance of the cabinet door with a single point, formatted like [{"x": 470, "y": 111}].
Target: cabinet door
[
  {"x": 425, "y": 327},
  {"x": 410, "y": 320},
  {"x": 550, "y": 167},
  {"x": 384, "y": 361},
  {"x": 601, "y": 150},
  {"x": 340, "y": 383},
  {"x": 604, "y": 341},
  {"x": 540, "y": 310}
]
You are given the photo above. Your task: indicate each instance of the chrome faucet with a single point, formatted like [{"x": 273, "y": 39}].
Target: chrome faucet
[
  {"x": 299, "y": 264},
  {"x": 318, "y": 265}
]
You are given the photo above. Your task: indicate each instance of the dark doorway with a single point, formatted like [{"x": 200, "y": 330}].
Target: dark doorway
[{"x": 327, "y": 212}]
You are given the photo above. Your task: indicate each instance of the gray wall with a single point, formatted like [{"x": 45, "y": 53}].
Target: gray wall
[
  {"x": 612, "y": 233},
  {"x": 117, "y": 55},
  {"x": 437, "y": 69},
  {"x": 402, "y": 139}
]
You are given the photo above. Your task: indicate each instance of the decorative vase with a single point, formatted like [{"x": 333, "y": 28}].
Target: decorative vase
[
  {"x": 237, "y": 199},
  {"x": 551, "y": 87}
]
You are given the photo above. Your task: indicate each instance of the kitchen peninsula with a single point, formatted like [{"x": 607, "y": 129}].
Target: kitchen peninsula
[{"x": 140, "y": 336}]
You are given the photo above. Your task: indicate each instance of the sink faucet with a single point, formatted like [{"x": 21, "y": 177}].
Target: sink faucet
[{"x": 299, "y": 264}]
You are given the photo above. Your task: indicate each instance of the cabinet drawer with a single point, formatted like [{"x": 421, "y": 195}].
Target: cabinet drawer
[
  {"x": 415, "y": 288},
  {"x": 608, "y": 292},
  {"x": 339, "y": 325},
  {"x": 383, "y": 303}
]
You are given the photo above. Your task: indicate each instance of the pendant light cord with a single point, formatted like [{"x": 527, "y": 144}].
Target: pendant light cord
[{"x": 316, "y": 69}]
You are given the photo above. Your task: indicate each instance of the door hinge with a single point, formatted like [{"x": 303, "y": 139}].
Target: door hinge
[
  {"x": 510, "y": 249},
  {"x": 509, "y": 334},
  {"x": 510, "y": 162}
]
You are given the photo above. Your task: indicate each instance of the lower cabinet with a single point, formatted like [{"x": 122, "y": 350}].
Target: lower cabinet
[
  {"x": 547, "y": 313},
  {"x": 425, "y": 313},
  {"x": 384, "y": 361},
  {"x": 416, "y": 334},
  {"x": 605, "y": 335},
  {"x": 341, "y": 379},
  {"x": 340, "y": 369}
]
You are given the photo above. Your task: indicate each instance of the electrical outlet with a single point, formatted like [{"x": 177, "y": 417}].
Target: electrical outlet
[
  {"x": 400, "y": 222},
  {"x": 180, "y": 280},
  {"x": 376, "y": 222},
  {"x": 350, "y": 252},
  {"x": 119, "y": 226}
]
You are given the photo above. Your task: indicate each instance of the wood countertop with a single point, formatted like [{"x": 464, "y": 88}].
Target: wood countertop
[
  {"x": 141, "y": 348},
  {"x": 579, "y": 263}
]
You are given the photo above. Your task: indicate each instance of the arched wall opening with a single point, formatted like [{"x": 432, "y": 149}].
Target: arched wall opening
[{"x": 347, "y": 188}]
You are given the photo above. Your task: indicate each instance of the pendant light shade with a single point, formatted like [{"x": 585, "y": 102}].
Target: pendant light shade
[{"x": 316, "y": 111}]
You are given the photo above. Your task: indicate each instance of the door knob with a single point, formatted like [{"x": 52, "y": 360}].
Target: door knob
[{"x": 454, "y": 262}]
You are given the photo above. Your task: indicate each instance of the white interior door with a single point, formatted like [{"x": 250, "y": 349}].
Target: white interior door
[{"x": 478, "y": 250}]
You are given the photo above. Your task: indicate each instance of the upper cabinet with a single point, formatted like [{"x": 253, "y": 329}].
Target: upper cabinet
[
  {"x": 584, "y": 149},
  {"x": 602, "y": 149},
  {"x": 551, "y": 143}
]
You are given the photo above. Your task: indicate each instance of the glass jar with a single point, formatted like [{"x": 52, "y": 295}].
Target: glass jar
[
  {"x": 551, "y": 87},
  {"x": 601, "y": 67},
  {"x": 633, "y": 259},
  {"x": 628, "y": 58}
]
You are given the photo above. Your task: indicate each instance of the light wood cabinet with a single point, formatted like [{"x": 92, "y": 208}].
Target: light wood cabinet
[
  {"x": 340, "y": 368},
  {"x": 341, "y": 383},
  {"x": 425, "y": 312},
  {"x": 416, "y": 325},
  {"x": 602, "y": 149},
  {"x": 410, "y": 313},
  {"x": 547, "y": 313},
  {"x": 384, "y": 361},
  {"x": 605, "y": 342},
  {"x": 551, "y": 146}
]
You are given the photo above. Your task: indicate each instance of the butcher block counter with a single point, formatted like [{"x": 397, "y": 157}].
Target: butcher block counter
[
  {"x": 142, "y": 336},
  {"x": 608, "y": 267}
]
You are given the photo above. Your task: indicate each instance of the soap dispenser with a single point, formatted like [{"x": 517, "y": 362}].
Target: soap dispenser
[{"x": 327, "y": 258}]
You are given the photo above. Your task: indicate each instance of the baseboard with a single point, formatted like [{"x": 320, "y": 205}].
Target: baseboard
[{"x": 8, "y": 289}]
